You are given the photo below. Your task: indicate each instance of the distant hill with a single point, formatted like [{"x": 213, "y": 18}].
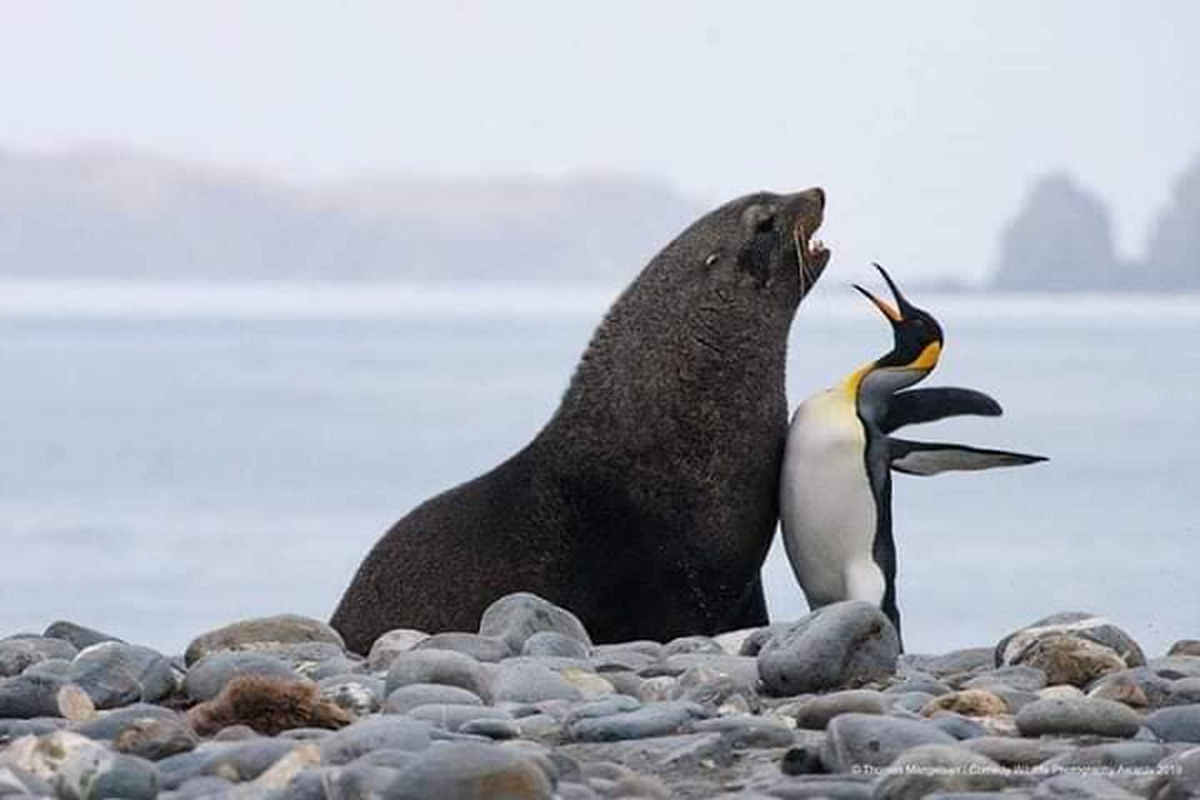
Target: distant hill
[
  {"x": 107, "y": 213},
  {"x": 1061, "y": 240}
]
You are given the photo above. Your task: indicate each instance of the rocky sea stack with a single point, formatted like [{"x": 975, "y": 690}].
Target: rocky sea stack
[{"x": 529, "y": 707}]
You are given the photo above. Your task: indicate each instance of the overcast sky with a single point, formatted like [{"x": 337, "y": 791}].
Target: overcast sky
[{"x": 926, "y": 122}]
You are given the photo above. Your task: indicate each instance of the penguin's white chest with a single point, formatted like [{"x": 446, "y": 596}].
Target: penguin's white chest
[{"x": 827, "y": 509}]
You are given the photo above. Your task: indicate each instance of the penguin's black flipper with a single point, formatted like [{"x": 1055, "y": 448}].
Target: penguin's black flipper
[
  {"x": 929, "y": 405},
  {"x": 933, "y": 458}
]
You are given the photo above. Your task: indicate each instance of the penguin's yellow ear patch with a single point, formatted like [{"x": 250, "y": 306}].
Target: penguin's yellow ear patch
[{"x": 929, "y": 357}]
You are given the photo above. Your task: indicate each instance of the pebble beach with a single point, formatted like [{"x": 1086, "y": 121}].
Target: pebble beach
[{"x": 528, "y": 706}]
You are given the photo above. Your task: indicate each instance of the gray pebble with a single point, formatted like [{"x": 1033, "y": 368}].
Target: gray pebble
[
  {"x": 406, "y": 698},
  {"x": 658, "y": 719},
  {"x": 552, "y": 643},
  {"x": 1082, "y": 715},
  {"x": 1020, "y": 676},
  {"x": 467, "y": 770},
  {"x": 857, "y": 740},
  {"x": 93, "y": 774},
  {"x": 116, "y": 674},
  {"x": 486, "y": 649},
  {"x": 206, "y": 678},
  {"x": 836, "y": 647},
  {"x": 79, "y": 636},
  {"x": 531, "y": 683},
  {"x": 156, "y": 739},
  {"x": 378, "y": 733},
  {"x": 439, "y": 666},
  {"x": 109, "y": 726},
  {"x": 746, "y": 731},
  {"x": 453, "y": 717},
  {"x": 18, "y": 654},
  {"x": 359, "y": 694},
  {"x": 249, "y": 634},
  {"x": 815, "y": 713},
  {"x": 931, "y": 768},
  {"x": 516, "y": 617},
  {"x": 1176, "y": 723}
]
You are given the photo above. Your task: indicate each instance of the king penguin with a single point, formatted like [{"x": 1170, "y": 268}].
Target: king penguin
[{"x": 836, "y": 485}]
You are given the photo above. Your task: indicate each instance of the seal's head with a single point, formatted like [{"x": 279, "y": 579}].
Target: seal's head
[{"x": 763, "y": 242}]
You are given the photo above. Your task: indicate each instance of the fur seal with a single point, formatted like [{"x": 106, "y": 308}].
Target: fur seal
[{"x": 647, "y": 503}]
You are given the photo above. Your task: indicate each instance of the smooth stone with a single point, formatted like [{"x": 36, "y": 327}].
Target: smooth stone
[
  {"x": 486, "y": 649},
  {"x": 967, "y": 702},
  {"x": 498, "y": 729},
  {"x": 540, "y": 727},
  {"x": 108, "y": 726},
  {"x": 14, "y": 782},
  {"x": 30, "y": 696},
  {"x": 1175, "y": 667},
  {"x": 1020, "y": 676},
  {"x": 659, "y": 719},
  {"x": 207, "y": 677},
  {"x": 1063, "y": 691},
  {"x": 332, "y": 668},
  {"x": 44, "y": 756},
  {"x": 961, "y": 728},
  {"x": 1176, "y": 723},
  {"x": 816, "y": 712},
  {"x": 237, "y": 761},
  {"x": 659, "y": 689},
  {"x": 971, "y": 660},
  {"x": 1179, "y": 777},
  {"x": 1015, "y": 699},
  {"x": 358, "y": 694},
  {"x": 17, "y": 655},
  {"x": 516, "y": 617},
  {"x": 439, "y": 666},
  {"x": 468, "y": 770},
  {"x": 1185, "y": 647},
  {"x": 1114, "y": 757},
  {"x": 589, "y": 684},
  {"x": 911, "y": 702},
  {"x": 117, "y": 674},
  {"x": 552, "y": 643},
  {"x": 90, "y": 775},
  {"x": 866, "y": 740},
  {"x": 931, "y": 768},
  {"x": 617, "y": 704},
  {"x": 1081, "y": 786},
  {"x": 821, "y": 787},
  {"x": 406, "y": 698},
  {"x": 206, "y": 787},
  {"x": 920, "y": 683},
  {"x": 79, "y": 636},
  {"x": 1124, "y": 689},
  {"x": 836, "y": 647},
  {"x": 753, "y": 644},
  {"x": 1156, "y": 688},
  {"x": 742, "y": 732},
  {"x": 743, "y": 669},
  {"x": 531, "y": 683},
  {"x": 452, "y": 717},
  {"x": 391, "y": 644},
  {"x": 1184, "y": 692},
  {"x": 692, "y": 644},
  {"x": 37, "y": 726},
  {"x": 50, "y": 668},
  {"x": 1017, "y": 752},
  {"x": 156, "y": 739},
  {"x": 1078, "y": 716},
  {"x": 621, "y": 660},
  {"x": 377, "y": 733},
  {"x": 731, "y": 642},
  {"x": 282, "y": 629}
]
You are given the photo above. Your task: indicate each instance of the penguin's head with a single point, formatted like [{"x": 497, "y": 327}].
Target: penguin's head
[{"x": 918, "y": 339}]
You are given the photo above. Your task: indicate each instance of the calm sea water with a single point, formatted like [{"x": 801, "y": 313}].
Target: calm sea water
[{"x": 177, "y": 458}]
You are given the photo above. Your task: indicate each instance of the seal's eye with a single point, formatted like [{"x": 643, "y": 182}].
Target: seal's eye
[
  {"x": 713, "y": 258},
  {"x": 759, "y": 218}
]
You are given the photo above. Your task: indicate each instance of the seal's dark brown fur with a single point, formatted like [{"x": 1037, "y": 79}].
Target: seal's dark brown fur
[
  {"x": 647, "y": 503},
  {"x": 269, "y": 706}
]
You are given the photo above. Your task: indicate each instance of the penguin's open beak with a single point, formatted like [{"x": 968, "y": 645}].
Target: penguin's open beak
[{"x": 918, "y": 336}]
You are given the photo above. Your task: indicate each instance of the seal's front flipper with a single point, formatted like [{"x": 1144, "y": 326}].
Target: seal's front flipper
[
  {"x": 917, "y": 406},
  {"x": 933, "y": 458}
]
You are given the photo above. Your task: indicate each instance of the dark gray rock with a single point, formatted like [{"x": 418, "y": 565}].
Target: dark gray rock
[
  {"x": 1078, "y": 716},
  {"x": 531, "y": 683},
  {"x": 692, "y": 644},
  {"x": 17, "y": 655},
  {"x": 971, "y": 660},
  {"x": 918, "y": 683},
  {"x": 16, "y": 728},
  {"x": 516, "y": 617},
  {"x": 468, "y": 770},
  {"x": 452, "y": 717},
  {"x": 1175, "y": 667},
  {"x": 391, "y": 644},
  {"x": 816, "y": 712},
  {"x": 1022, "y": 677},
  {"x": 837, "y": 647},
  {"x": 552, "y": 643},
  {"x": 958, "y": 726},
  {"x": 109, "y": 726},
  {"x": 745, "y": 731},
  {"x": 79, "y": 636},
  {"x": 439, "y": 666},
  {"x": 753, "y": 644},
  {"x": 743, "y": 669},
  {"x": 406, "y": 698},
  {"x": 206, "y": 678},
  {"x": 866, "y": 740},
  {"x": 912, "y": 702},
  {"x": 657, "y": 719},
  {"x": 29, "y": 696},
  {"x": 605, "y": 707},
  {"x": 379, "y": 733},
  {"x": 931, "y": 768},
  {"x": 487, "y": 649},
  {"x": 1113, "y": 757},
  {"x": 253, "y": 634},
  {"x": 207, "y": 787},
  {"x": 94, "y": 774},
  {"x": 1081, "y": 786},
  {"x": 1176, "y": 724},
  {"x": 117, "y": 674},
  {"x": 1185, "y": 647},
  {"x": 498, "y": 729},
  {"x": 1179, "y": 777},
  {"x": 1184, "y": 692},
  {"x": 1017, "y": 752},
  {"x": 822, "y": 787}
]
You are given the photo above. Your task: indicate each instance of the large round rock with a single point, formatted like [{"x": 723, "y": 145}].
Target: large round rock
[
  {"x": 838, "y": 646},
  {"x": 251, "y": 634}
]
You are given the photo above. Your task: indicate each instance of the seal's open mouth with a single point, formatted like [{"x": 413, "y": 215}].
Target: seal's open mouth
[{"x": 812, "y": 254}]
